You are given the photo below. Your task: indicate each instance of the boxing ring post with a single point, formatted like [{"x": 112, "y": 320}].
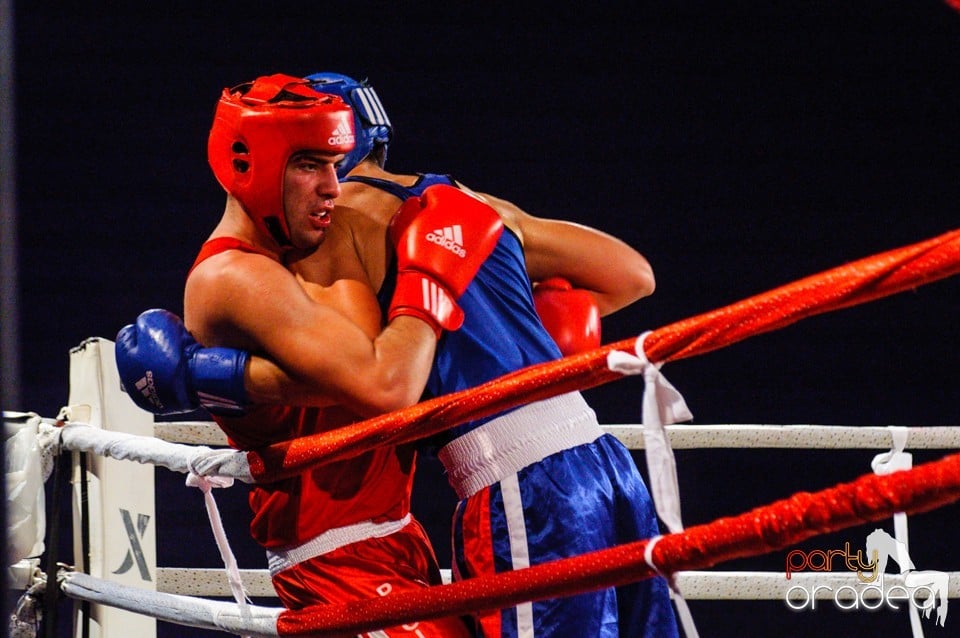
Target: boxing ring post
[{"x": 114, "y": 519}]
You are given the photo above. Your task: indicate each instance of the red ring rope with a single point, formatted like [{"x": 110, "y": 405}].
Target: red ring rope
[{"x": 851, "y": 284}]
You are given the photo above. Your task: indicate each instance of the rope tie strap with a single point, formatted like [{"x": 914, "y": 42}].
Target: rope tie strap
[
  {"x": 648, "y": 555},
  {"x": 886, "y": 463},
  {"x": 206, "y": 484},
  {"x": 662, "y": 405},
  {"x": 225, "y": 462}
]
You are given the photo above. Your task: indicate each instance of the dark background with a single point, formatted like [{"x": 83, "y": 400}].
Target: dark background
[{"x": 739, "y": 146}]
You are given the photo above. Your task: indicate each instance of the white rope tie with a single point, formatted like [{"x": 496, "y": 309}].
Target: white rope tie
[
  {"x": 683, "y": 610},
  {"x": 206, "y": 485},
  {"x": 648, "y": 554},
  {"x": 887, "y": 463},
  {"x": 662, "y": 405}
]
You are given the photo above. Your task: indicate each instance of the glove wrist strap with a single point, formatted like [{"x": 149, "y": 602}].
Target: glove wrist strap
[
  {"x": 218, "y": 379},
  {"x": 422, "y": 296}
]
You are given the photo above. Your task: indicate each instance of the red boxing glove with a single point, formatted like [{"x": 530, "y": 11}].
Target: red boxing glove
[
  {"x": 569, "y": 314},
  {"x": 441, "y": 239}
]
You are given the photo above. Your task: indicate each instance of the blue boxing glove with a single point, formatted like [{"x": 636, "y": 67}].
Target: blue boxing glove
[{"x": 165, "y": 371}]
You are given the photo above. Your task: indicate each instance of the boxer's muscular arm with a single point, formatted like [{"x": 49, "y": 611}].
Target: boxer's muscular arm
[
  {"x": 354, "y": 299},
  {"x": 319, "y": 355},
  {"x": 615, "y": 273}
]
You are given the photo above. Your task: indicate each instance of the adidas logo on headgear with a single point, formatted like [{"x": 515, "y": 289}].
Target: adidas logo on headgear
[
  {"x": 341, "y": 135},
  {"x": 449, "y": 237}
]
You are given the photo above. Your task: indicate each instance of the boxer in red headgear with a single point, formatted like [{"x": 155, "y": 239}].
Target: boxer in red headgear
[
  {"x": 256, "y": 129},
  {"x": 342, "y": 531}
]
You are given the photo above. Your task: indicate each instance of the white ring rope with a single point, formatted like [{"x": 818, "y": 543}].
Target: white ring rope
[
  {"x": 811, "y": 437},
  {"x": 808, "y": 437},
  {"x": 199, "y": 460},
  {"x": 252, "y": 620},
  {"x": 227, "y": 462},
  {"x": 210, "y": 582}
]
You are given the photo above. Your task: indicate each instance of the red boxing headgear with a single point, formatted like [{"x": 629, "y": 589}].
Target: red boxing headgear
[{"x": 258, "y": 126}]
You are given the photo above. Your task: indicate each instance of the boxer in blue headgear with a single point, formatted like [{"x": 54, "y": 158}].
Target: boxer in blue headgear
[
  {"x": 371, "y": 123},
  {"x": 508, "y": 469}
]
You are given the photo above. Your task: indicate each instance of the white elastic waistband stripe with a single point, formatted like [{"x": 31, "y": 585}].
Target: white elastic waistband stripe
[
  {"x": 279, "y": 560},
  {"x": 515, "y": 440}
]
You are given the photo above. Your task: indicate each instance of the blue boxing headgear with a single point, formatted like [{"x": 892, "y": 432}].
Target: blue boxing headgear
[{"x": 371, "y": 124}]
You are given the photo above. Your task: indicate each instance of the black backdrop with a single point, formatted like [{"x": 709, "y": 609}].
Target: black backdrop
[{"x": 739, "y": 146}]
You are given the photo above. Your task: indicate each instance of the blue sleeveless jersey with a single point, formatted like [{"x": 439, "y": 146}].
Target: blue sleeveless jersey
[
  {"x": 592, "y": 486},
  {"x": 501, "y": 332}
]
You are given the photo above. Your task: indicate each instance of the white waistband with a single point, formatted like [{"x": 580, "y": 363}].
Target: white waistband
[
  {"x": 511, "y": 442},
  {"x": 279, "y": 560}
]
